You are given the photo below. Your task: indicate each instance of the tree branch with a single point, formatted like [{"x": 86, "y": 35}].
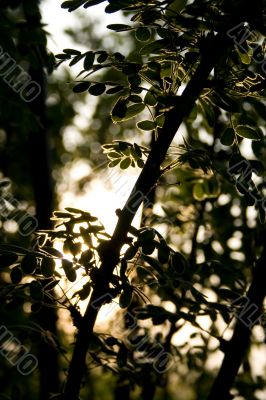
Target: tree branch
[
  {"x": 215, "y": 47},
  {"x": 240, "y": 341}
]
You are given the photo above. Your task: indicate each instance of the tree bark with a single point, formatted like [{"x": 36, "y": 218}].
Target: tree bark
[{"x": 39, "y": 155}]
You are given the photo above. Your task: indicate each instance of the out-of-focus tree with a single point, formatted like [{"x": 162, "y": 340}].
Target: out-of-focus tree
[{"x": 191, "y": 281}]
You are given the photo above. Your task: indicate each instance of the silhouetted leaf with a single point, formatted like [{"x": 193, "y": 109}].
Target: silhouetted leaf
[
  {"x": 126, "y": 296},
  {"x": 228, "y": 137},
  {"x": 16, "y": 275},
  {"x": 131, "y": 252},
  {"x": 163, "y": 253},
  {"x": 114, "y": 89},
  {"x": 89, "y": 60},
  {"x": 36, "y": 290},
  {"x": 142, "y": 34},
  {"x": 97, "y": 89},
  {"x": 81, "y": 87},
  {"x": 119, "y": 27},
  {"x": 28, "y": 264},
  {"x": 178, "y": 263},
  {"x": 91, "y": 3},
  {"x": 72, "y": 52},
  {"x": 47, "y": 267}
]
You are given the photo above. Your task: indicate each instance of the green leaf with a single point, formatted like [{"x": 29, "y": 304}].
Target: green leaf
[
  {"x": 247, "y": 132},
  {"x": 134, "y": 155},
  {"x": 193, "y": 115},
  {"x": 16, "y": 275},
  {"x": 150, "y": 99},
  {"x": 244, "y": 56},
  {"x": 73, "y": 210},
  {"x": 89, "y": 60},
  {"x": 198, "y": 191},
  {"x": 97, "y": 89},
  {"x": 142, "y": 34},
  {"x": 207, "y": 109},
  {"x": 225, "y": 102},
  {"x": 134, "y": 110},
  {"x": 160, "y": 119},
  {"x": 135, "y": 98},
  {"x": 228, "y": 137},
  {"x": 125, "y": 163},
  {"x": 47, "y": 267},
  {"x": 114, "y": 163},
  {"x": 81, "y": 87},
  {"x": 154, "y": 47},
  {"x": 119, "y": 27},
  {"x": 140, "y": 163},
  {"x": 137, "y": 150},
  {"x": 119, "y": 110},
  {"x": 126, "y": 113},
  {"x": 211, "y": 187},
  {"x": 146, "y": 125},
  {"x": 113, "y": 154},
  {"x": 29, "y": 264}
]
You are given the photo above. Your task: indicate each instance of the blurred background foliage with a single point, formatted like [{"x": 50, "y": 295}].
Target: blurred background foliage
[{"x": 216, "y": 232}]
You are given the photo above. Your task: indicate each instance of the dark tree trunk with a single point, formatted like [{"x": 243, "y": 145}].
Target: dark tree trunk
[
  {"x": 39, "y": 155},
  {"x": 43, "y": 192}
]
